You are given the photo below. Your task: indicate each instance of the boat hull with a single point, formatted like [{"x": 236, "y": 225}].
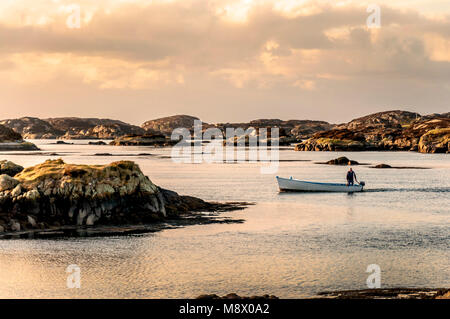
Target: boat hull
[{"x": 294, "y": 185}]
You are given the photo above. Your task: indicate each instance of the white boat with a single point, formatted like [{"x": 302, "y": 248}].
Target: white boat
[{"x": 294, "y": 185}]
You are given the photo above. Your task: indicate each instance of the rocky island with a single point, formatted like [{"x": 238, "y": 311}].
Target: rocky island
[
  {"x": 32, "y": 128},
  {"x": 166, "y": 125},
  {"x": 290, "y": 131},
  {"x": 143, "y": 140},
  {"x": 74, "y": 128},
  {"x": 12, "y": 141},
  {"x": 385, "y": 131},
  {"x": 71, "y": 128},
  {"x": 56, "y": 194}
]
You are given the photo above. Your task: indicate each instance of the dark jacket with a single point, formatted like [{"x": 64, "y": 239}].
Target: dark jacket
[{"x": 351, "y": 175}]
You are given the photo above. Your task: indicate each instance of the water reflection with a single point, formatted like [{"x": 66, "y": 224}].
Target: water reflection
[{"x": 291, "y": 245}]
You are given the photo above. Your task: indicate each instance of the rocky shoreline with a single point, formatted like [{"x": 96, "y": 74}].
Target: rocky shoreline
[
  {"x": 388, "y": 293},
  {"x": 391, "y": 293},
  {"x": 55, "y": 196},
  {"x": 234, "y": 296},
  {"x": 385, "y": 131},
  {"x": 12, "y": 141}
]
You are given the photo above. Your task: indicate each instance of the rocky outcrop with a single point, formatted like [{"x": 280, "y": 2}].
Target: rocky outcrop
[
  {"x": 435, "y": 141},
  {"x": 12, "y": 141},
  {"x": 257, "y": 137},
  {"x": 394, "y": 130},
  {"x": 388, "y": 119},
  {"x": 55, "y": 194},
  {"x": 143, "y": 140},
  {"x": 18, "y": 146},
  {"x": 336, "y": 140},
  {"x": 166, "y": 125},
  {"x": 298, "y": 129},
  {"x": 32, "y": 128},
  {"x": 71, "y": 128},
  {"x": 9, "y": 135},
  {"x": 342, "y": 161},
  {"x": 9, "y": 168},
  {"x": 92, "y": 128},
  {"x": 382, "y": 166},
  {"x": 107, "y": 131},
  {"x": 390, "y": 293},
  {"x": 7, "y": 182},
  {"x": 97, "y": 143},
  {"x": 234, "y": 296},
  {"x": 292, "y": 131},
  {"x": 386, "y": 166},
  {"x": 308, "y": 128}
]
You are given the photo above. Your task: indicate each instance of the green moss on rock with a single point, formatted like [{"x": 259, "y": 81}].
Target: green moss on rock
[{"x": 55, "y": 176}]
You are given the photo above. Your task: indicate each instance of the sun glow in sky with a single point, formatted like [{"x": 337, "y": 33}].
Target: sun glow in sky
[{"x": 222, "y": 60}]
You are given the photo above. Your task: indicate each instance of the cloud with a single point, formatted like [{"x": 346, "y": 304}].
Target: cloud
[{"x": 302, "y": 45}]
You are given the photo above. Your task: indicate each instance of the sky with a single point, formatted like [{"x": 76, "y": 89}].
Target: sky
[{"x": 223, "y": 60}]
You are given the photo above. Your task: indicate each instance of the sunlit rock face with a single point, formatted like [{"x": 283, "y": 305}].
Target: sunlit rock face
[
  {"x": 393, "y": 130},
  {"x": 56, "y": 193},
  {"x": 32, "y": 128},
  {"x": 435, "y": 141}
]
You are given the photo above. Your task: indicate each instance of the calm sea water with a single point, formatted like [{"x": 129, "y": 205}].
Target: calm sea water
[{"x": 290, "y": 245}]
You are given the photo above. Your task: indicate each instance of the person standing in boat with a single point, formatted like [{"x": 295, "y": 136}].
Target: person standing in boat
[{"x": 351, "y": 176}]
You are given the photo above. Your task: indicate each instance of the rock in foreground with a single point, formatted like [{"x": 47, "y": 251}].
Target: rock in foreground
[
  {"x": 55, "y": 194},
  {"x": 9, "y": 168}
]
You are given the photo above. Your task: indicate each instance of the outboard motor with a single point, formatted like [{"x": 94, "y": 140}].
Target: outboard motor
[{"x": 362, "y": 183}]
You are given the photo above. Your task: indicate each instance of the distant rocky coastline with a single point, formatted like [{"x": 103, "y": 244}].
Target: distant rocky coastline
[
  {"x": 54, "y": 194},
  {"x": 92, "y": 128},
  {"x": 384, "y": 131},
  {"x": 70, "y": 128},
  {"x": 166, "y": 125}
]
